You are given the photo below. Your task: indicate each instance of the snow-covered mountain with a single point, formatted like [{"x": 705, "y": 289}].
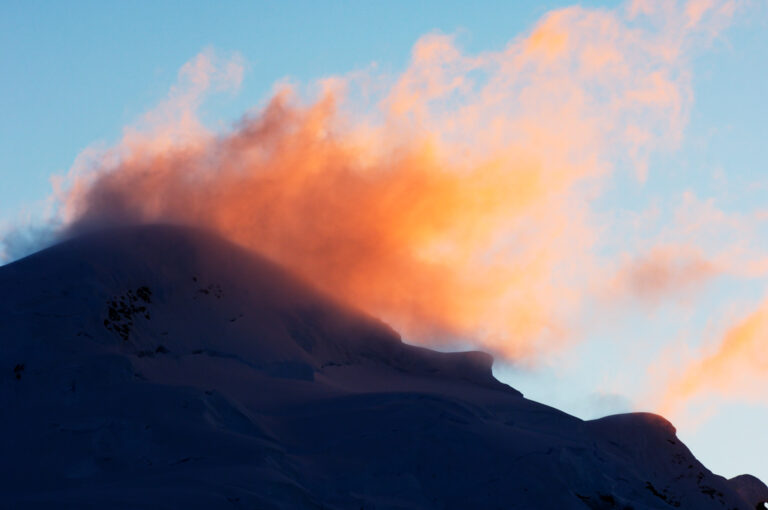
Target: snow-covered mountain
[{"x": 162, "y": 367}]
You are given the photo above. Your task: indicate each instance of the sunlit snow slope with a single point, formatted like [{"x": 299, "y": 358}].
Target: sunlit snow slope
[{"x": 162, "y": 367}]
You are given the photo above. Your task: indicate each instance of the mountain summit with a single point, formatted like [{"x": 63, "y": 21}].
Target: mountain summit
[{"x": 163, "y": 367}]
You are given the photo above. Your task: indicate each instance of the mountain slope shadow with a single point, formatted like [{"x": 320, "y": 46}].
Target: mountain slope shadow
[{"x": 161, "y": 366}]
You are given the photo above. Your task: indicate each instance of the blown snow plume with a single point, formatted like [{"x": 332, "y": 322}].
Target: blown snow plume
[{"x": 451, "y": 200}]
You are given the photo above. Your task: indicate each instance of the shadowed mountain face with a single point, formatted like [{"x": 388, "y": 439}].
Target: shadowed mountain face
[{"x": 163, "y": 367}]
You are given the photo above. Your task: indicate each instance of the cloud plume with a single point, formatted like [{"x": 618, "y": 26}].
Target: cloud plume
[{"x": 452, "y": 200}]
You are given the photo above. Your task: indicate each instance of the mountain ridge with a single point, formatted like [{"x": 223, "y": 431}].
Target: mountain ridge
[{"x": 164, "y": 361}]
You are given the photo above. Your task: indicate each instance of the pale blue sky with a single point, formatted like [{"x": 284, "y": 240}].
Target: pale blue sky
[{"x": 75, "y": 73}]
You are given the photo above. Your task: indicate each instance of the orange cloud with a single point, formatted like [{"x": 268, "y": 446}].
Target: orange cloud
[
  {"x": 675, "y": 252},
  {"x": 735, "y": 367},
  {"x": 454, "y": 203},
  {"x": 665, "y": 270},
  {"x": 409, "y": 236}
]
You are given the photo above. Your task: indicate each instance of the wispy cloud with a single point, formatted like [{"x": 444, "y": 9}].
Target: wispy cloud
[
  {"x": 734, "y": 367},
  {"x": 665, "y": 270}
]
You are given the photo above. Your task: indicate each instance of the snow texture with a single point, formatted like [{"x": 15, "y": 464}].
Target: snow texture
[{"x": 163, "y": 367}]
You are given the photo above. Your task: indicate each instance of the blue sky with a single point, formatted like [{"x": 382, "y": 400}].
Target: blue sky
[{"x": 75, "y": 74}]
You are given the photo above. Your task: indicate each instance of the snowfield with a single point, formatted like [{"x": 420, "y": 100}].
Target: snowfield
[{"x": 162, "y": 367}]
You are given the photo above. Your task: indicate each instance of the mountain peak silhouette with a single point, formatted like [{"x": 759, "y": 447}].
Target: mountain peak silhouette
[{"x": 162, "y": 366}]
